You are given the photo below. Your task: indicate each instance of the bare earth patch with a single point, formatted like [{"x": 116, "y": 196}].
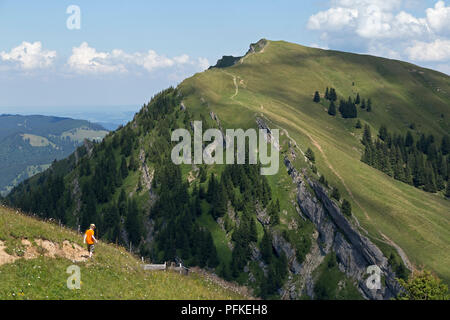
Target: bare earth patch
[
  {"x": 4, "y": 256},
  {"x": 71, "y": 251}
]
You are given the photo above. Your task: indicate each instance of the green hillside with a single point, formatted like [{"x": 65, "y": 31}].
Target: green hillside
[
  {"x": 29, "y": 144},
  {"x": 112, "y": 274},
  {"x": 230, "y": 219},
  {"x": 279, "y": 82}
]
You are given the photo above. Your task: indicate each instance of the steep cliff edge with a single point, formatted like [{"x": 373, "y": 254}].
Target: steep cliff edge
[{"x": 355, "y": 252}]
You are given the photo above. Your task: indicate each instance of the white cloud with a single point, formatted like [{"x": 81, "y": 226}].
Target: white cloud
[
  {"x": 373, "y": 22},
  {"x": 87, "y": 59},
  {"x": 438, "y": 50},
  {"x": 318, "y": 46},
  {"x": 182, "y": 59},
  {"x": 384, "y": 28},
  {"x": 386, "y": 5},
  {"x": 333, "y": 19},
  {"x": 149, "y": 60},
  {"x": 378, "y": 49},
  {"x": 29, "y": 56},
  {"x": 439, "y": 17},
  {"x": 368, "y": 19},
  {"x": 203, "y": 64},
  {"x": 406, "y": 25}
]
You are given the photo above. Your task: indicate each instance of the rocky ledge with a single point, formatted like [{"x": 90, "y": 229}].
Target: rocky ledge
[{"x": 355, "y": 252}]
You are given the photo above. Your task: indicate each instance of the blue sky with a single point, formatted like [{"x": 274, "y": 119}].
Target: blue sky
[{"x": 125, "y": 52}]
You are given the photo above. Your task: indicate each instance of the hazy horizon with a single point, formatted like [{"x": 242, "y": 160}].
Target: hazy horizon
[{"x": 111, "y": 116}]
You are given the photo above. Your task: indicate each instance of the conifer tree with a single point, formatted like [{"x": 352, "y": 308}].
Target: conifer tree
[
  {"x": 266, "y": 247},
  {"x": 133, "y": 164},
  {"x": 310, "y": 155},
  {"x": 369, "y": 105},
  {"x": 367, "y": 136},
  {"x": 316, "y": 97},
  {"x": 363, "y": 104},
  {"x": 123, "y": 168},
  {"x": 445, "y": 145},
  {"x": 332, "y": 109},
  {"x": 332, "y": 95},
  {"x": 346, "y": 208},
  {"x": 133, "y": 223},
  {"x": 409, "y": 140},
  {"x": 203, "y": 174},
  {"x": 383, "y": 133},
  {"x": 336, "y": 194}
]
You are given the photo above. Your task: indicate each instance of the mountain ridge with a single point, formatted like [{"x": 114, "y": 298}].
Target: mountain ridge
[{"x": 277, "y": 84}]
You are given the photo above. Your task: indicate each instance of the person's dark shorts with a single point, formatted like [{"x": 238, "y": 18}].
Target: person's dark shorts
[{"x": 91, "y": 247}]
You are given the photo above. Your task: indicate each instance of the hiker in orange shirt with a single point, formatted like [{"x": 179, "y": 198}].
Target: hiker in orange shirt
[{"x": 90, "y": 239}]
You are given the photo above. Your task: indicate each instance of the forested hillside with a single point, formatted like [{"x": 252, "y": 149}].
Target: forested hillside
[{"x": 29, "y": 144}]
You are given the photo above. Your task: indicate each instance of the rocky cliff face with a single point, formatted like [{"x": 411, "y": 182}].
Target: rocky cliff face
[{"x": 354, "y": 251}]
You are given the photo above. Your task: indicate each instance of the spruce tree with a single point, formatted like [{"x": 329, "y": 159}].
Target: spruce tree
[
  {"x": 133, "y": 164},
  {"x": 367, "y": 136},
  {"x": 358, "y": 99},
  {"x": 363, "y": 104},
  {"x": 310, "y": 155},
  {"x": 383, "y": 133},
  {"x": 253, "y": 233},
  {"x": 332, "y": 95},
  {"x": 445, "y": 145},
  {"x": 336, "y": 194},
  {"x": 409, "y": 140},
  {"x": 203, "y": 174},
  {"x": 134, "y": 224},
  {"x": 369, "y": 105},
  {"x": 323, "y": 181},
  {"x": 346, "y": 208},
  {"x": 332, "y": 109},
  {"x": 123, "y": 168},
  {"x": 266, "y": 247},
  {"x": 316, "y": 97}
]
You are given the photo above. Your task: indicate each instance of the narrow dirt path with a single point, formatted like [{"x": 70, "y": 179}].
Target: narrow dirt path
[
  {"x": 236, "y": 85},
  {"x": 400, "y": 251}
]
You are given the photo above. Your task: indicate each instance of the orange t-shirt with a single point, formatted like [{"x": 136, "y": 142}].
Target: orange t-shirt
[{"x": 89, "y": 235}]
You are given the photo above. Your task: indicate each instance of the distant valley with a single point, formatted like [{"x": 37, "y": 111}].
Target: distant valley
[{"x": 29, "y": 144}]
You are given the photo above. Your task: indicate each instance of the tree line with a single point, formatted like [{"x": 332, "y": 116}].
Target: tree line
[
  {"x": 422, "y": 162},
  {"x": 347, "y": 108}
]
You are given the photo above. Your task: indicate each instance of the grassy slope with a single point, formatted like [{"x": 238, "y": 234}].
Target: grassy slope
[
  {"x": 279, "y": 83},
  {"x": 113, "y": 274}
]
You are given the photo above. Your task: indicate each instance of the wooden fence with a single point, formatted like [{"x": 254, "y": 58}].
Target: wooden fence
[{"x": 172, "y": 266}]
